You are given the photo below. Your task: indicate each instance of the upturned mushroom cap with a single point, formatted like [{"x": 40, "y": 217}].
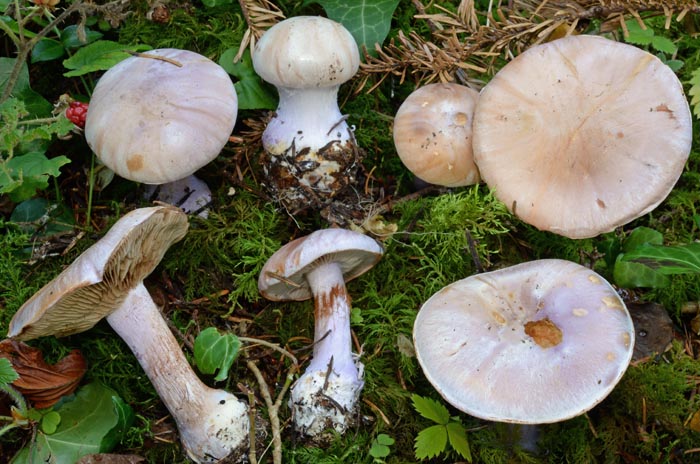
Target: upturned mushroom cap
[
  {"x": 582, "y": 134},
  {"x": 433, "y": 134},
  {"x": 538, "y": 342},
  {"x": 98, "y": 281},
  {"x": 306, "y": 52},
  {"x": 160, "y": 118},
  {"x": 283, "y": 276}
]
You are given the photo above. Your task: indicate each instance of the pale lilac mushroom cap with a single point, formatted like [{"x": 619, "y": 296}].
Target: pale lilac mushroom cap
[
  {"x": 155, "y": 120},
  {"x": 534, "y": 343},
  {"x": 433, "y": 134},
  {"x": 583, "y": 134}
]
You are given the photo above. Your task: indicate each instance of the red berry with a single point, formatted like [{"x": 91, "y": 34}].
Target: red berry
[{"x": 77, "y": 112}]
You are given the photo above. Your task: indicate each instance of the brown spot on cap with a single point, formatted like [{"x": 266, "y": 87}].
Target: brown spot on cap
[
  {"x": 134, "y": 162},
  {"x": 664, "y": 107},
  {"x": 544, "y": 332}
]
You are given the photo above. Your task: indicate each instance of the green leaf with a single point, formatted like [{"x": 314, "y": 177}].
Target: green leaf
[
  {"x": 458, "y": 439},
  {"x": 642, "y": 236},
  {"x": 70, "y": 36},
  {"x": 637, "y": 35},
  {"x": 430, "y": 442},
  {"x": 24, "y": 175},
  {"x": 49, "y": 422},
  {"x": 47, "y": 50},
  {"x": 634, "y": 275},
  {"x": 215, "y": 3},
  {"x": 431, "y": 409},
  {"x": 663, "y": 44},
  {"x": 694, "y": 92},
  {"x": 99, "y": 56},
  {"x": 215, "y": 351},
  {"x": 253, "y": 93},
  {"x": 38, "y": 216},
  {"x": 384, "y": 439},
  {"x": 85, "y": 421},
  {"x": 667, "y": 260},
  {"x": 35, "y": 104},
  {"x": 368, "y": 21},
  {"x": 7, "y": 373},
  {"x": 125, "y": 417}
]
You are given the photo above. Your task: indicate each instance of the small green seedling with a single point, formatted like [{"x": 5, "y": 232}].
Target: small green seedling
[
  {"x": 215, "y": 351},
  {"x": 642, "y": 260},
  {"x": 433, "y": 440},
  {"x": 648, "y": 38},
  {"x": 381, "y": 447}
]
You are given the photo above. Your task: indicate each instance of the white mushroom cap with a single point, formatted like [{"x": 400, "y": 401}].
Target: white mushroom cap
[
  {"x": 306, "y": 52},
  {"x": 538, "y": 342},
  {"x": 582, "y": 134},
  {"x": 153, "y": 121},
  {"x": 284, "y": 275},
  {"x": 433, "y": 134}
]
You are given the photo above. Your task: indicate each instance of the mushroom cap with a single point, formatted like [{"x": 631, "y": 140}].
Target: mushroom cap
[
  {"x": 538, "y": 342},
  {"x": 433, "y": 134},
  {"x": 283, "y": 275},
  {"x": 306, "y": 52},
  {"x": 97, "y": 282},
  {"x": 582, "y": 134},
  {"x": 153, "y": 121}
]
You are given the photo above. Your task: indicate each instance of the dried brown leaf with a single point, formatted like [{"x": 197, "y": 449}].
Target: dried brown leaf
[{"x": 43, "y": 384}]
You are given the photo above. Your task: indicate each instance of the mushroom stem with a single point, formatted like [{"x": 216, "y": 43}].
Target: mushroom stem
[
  {"x": 326, "y": 395},
  {"x": 213, "y": 424},
  {"x": 306, "y": 117}
]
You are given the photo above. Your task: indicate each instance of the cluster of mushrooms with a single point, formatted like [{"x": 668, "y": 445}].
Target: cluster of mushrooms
[{"x": 572, "y": 140}]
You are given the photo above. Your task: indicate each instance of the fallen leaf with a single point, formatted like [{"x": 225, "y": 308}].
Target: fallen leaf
[
  {"x": 111, "y": 459},
  {"x": 43, "y": 384}
]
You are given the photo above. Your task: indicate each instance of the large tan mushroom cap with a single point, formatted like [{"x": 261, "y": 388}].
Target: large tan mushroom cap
[
  {"x": 539, "y": 342},
  {"x": 581, "y": 135},
  {"x": 433, "y": 134},
  {"x": 284, "y": 275},
  {"x": 97, "y": 282},
  {"x": 157, "y": 120}
]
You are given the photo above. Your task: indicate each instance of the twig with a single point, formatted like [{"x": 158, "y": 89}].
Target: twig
[
  {"x": 154, "y": 57},
  {"x": 251, "y": 419},
  {"x": 274, "y": 346}
]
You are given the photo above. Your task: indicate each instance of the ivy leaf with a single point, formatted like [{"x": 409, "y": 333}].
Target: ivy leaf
[
  {"x": 431, "y": 442},
  {"x": 214, "y": 351},
  {"x": 7, "y": 373},
  {"x": 252, "y": 92},
  {"x": 85, "y": 421},
  {"x": 99, "y": 56},
  {"x": 368, "y": 21},
  {"x": 458, "y": 439},
  {"x": 431, "y": 409}
]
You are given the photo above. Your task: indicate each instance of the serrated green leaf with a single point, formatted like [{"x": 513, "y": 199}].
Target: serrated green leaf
[
  {"x": 252, "y": 92},
  {"x": 368, "y": 21},
  {"x": 86, "y": 419},
  {"x": 99, "y": 56},
  {"x": 47, "y": 50},
  {"x": 215, "y": 351},
  {"x": 7, "y": 373},
  {"x": 694, "y": 92},
  {"x": 50, "y": 422},
  {"x": 637, "y": 35},
  {"x": 663, "y": 44},
  {"x": 431, "y": 409},
  {"x": 430, "y": 442},
  {"x": 458, "y": 439}
]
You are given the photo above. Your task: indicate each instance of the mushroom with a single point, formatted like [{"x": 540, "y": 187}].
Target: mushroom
[
  {"x": 318, "y": 265},
  {"x": 159, "y": 116},
  {"x": 534, "y": 343},
  {"x": 582, "y": 134},
  {"x": 433, "y": 134},
  {"x": 106, "y": 281},
  {"x": 310, "y": 152}
]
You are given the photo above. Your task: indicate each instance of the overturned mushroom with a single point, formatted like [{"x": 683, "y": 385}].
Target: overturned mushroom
[
  {"x": 310, "y": 152},
  {"x": 106, "y": 281},
  {"x": 534, "y": 343},
  {"x": 318, "y": 265}
]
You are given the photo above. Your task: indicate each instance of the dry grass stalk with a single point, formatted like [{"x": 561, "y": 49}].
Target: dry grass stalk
[
  {"x": 460, "y": 48},
  {"x": 260, "y": 15}
]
